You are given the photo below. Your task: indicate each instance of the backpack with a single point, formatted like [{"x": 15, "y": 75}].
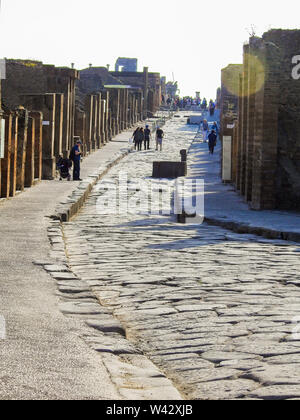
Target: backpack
[{"x": 72, "y": 154}]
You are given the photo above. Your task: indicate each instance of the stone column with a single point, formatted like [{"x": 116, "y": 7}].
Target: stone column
[
  {"x": 99, "y": 122},
  {"x": 250, "y": 122},
  {"x": 239, "y": 140},
  {"x": 235, "y": 149},
  {"x": 94, "y": 122},
  {"x": 245, "y": 103},
  {"x": 6, "y": 162},
  {"x": 38, "y": 148},
  {"x": 30, "y": 149},
  {"x": 146, "y": 87},
  {"x": 115, "y": 110},
  {"x": 126, "y": 110},
  {"x": 265, "y": 155},
  {"x": 59, "y": 116},
  {"x": 89, "y": 118},
  {"x": 103, "y": 122},
  {"x": 13, "y": 155},
  {"x": 80, "y": 129},
  {"x": 22, "y": 147},
  {"x": 45, "y": 104}
]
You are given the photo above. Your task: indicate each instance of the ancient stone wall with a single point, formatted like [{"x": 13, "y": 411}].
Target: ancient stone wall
[{"x": 267, "y": 150}]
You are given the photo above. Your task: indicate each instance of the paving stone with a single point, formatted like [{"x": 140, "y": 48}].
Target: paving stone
[
  {"x": 224, "y": 390},
  {"x": 107, "y": 326},
  {"x": 277, "y": 392},
  {"x": 274, "y": 375},
  {"x": 63, "y": 276},
  {"x": 269, "y": 350},
  {"x": 219, "y": 357}
]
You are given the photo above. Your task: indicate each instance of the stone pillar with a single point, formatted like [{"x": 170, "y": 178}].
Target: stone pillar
[
  {"x": 45, "y": 104},
  {"x": 59, "y": 116},
  {"x": 94, "y": 122},
  {"x": 49, "y": 161},
  {"x": 239, "y": 139},
  {"x": 106, "y": 116},
  {"x": 38, "y": 145},
  {"x": 235, "y": 140},
  {"x": 115, "y": 110},
  {"x": 80, "y": 129},
  {"x": 265, "y": 155},
  {"x": 245, "y": 103},
  {"x": 146, "y": 88},
  {"x": 131, "y": 108},
  {"x": 127, "y": 119},
  {"x": 103, "y": 122},
  {"x": 22, "y": 148},
  {"x": 89, "y": 118},
  {"x": 30, "y": 149},
  {"x": 99, "y": 122},
  {"x": 6, "y": 162},
  {"x": 250, "y": 120},
  {"x": 13, "y": 155},
  {"x": 140, "y": 107}
]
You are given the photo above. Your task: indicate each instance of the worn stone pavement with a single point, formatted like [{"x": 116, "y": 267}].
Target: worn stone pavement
[
  {"x": 215, "y": 311},
  {"x": 43, "y": 356}
]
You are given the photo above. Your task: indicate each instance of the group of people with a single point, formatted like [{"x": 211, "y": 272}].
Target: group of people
[
  {"x": 143, "y": 136},
  {"x": 187, "y": 102}
]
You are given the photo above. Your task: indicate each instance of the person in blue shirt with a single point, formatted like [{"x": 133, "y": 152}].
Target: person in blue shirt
[{"x": 76, "y": 157}]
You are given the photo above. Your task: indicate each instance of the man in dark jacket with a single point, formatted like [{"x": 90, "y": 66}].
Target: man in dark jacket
[
  {"x": 147, "y": 134},
  {"x": 212, "y": 142},
  {"x": 76, "y": 157}
]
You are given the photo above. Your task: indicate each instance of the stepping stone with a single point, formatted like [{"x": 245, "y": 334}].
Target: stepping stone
[
  {"x": 64, "y": 276},
  {"x": 56, "y": 268}
]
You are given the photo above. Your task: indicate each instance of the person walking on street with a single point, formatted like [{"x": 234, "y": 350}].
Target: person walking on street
[
  {"x": 75, "y": 156},
  {"x": 205, "y": 128},
  {"x": 140, "y": 139},
  {"x": 212, "y": 142},
  {"x": 135, "y": 138},
  {"x": 147, "y": 135},
  {"x": 159, "y": 138}
]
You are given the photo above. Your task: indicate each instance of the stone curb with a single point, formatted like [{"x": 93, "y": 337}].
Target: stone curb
[
  {"x": 77, "y": 199},
  {"x": 243, "y": 228}
]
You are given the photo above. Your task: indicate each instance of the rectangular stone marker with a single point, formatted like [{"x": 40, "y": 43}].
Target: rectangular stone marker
[
  {"x": 227, "y": 147},
  {"x": 169, "y": 169}
]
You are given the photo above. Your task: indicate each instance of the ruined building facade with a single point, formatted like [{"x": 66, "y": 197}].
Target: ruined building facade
[
  {"x": 45, "y": 109},
  {"x": 266, "y": 132}
]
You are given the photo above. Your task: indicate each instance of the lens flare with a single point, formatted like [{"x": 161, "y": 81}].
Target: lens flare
[{"x": 254, "y": 69}]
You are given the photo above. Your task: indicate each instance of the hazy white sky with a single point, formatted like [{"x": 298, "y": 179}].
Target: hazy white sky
[{"x": 192, "y": 38}]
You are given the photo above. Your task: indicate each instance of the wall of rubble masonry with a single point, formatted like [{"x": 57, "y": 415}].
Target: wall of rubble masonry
[{"x": 266, "y": 133}]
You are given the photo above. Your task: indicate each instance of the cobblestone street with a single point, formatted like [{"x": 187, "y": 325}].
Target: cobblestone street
[{"x": 215, "y": 311}]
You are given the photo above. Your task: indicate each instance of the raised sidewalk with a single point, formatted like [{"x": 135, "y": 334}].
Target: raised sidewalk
[
  {"x": 42, "y": 356},
  {"x": 225, "y": 207}
]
